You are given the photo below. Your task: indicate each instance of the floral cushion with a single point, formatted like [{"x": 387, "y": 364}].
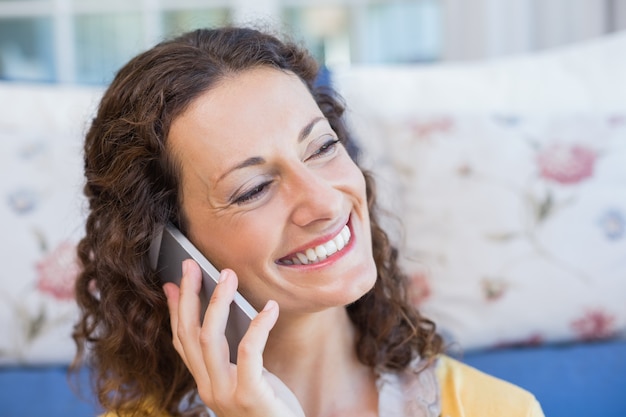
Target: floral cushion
[
  {"x": 42, "y": 219},
  {"x": 513, "y": 206}
]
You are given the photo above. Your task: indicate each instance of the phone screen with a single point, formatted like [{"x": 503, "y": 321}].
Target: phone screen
[{"x": 167, "y": 252}]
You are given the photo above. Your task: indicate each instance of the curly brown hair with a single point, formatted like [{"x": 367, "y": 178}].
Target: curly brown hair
[{"x": 132, "y": 186}]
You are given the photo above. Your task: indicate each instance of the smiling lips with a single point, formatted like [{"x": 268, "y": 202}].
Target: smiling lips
[{"x": 319, "y": 252}]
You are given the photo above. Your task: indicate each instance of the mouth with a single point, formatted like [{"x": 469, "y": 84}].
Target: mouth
[{"x": 320, "y": 252}]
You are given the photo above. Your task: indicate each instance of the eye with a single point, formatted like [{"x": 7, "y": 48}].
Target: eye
[
  {"x": 328, "y": 147},
  {"x": 252, "y": 194}
]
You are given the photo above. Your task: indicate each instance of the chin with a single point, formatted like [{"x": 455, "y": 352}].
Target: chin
[{"x": 365, "y": 283}]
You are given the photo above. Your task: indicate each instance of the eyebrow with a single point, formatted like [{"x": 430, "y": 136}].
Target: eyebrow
[
  {"x": 257, "y": 160},
  {"x": 306, "y": 130}
]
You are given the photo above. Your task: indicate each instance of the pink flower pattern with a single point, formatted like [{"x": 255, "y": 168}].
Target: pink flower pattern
[
  {"x": 561, "y": 163},
  {"x": 596, "y": 324},
  {"x": 419, "y": 288},
  {"x": 57, "y": 272},
  {"x": 425, "y": 129},
  {"x": 534, "y": 339},
  {"x": 566, "y": 164}
]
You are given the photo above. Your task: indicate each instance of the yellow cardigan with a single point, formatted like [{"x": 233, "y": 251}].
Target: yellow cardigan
[{"x": 468, "y": 392}]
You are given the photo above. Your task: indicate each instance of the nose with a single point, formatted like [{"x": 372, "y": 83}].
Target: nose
[{"x": 315, "y": 198}]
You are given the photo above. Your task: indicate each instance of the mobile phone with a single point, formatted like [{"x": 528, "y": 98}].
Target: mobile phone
[{"x": 168, "y": 250}]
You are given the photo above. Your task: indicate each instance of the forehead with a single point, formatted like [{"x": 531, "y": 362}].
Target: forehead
[{"x": 241, "y": 116}]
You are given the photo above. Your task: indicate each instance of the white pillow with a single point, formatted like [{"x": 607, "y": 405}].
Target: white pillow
[
  {"x": 42, "y": 215},
  {"x": 509, "y": 178}
]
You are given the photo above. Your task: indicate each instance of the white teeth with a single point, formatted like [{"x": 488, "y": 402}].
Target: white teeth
[
  {"x": 323, "y": 251},
  {"x": 339, "y": 241},
  {"x": 302, "y": 258},
  {"x": 345, "y": 233},
  {"x": 320, "y": 251},
  {"x": 331, "y": 247}
]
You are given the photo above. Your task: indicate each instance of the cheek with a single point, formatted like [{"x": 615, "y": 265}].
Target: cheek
[
  {"x": 245, "y": 243},
  {"x": 237, "y": 247},
  {"x": 247, "y": 251},
  {"x": 234, "y": 245}
]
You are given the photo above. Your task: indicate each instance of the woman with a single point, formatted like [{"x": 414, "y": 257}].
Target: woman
[{"x": 223, "y": 133}]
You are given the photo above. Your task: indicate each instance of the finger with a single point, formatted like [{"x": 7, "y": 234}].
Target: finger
[
  {"x": 213, "y": 337},
  {"x": 172, "y": 294},
  {"x": 188, "y": 325},
  {"x": 250, "y": 351}
]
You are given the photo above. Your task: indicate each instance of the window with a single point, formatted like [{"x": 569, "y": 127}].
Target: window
[
  {"x": 26, "y": 49},
  {"x": 87, "y": 41},
  {"x": 393, "y": 31}
]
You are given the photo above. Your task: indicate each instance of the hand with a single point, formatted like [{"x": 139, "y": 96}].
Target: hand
[{"x": 245, "y": 389}]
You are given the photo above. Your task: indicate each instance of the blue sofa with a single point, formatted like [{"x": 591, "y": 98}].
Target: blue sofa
[
  {"x": 569, "y": 380},
  {"x": 575, "y": 380}
]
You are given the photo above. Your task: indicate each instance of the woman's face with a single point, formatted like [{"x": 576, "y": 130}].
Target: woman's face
[{"x": 265, "y": 184}]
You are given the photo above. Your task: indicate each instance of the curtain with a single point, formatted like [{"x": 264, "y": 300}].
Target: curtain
[{"x": 477, "y": 29}]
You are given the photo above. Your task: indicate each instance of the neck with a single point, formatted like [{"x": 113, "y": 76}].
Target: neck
[{"x": 315, "y": 356}]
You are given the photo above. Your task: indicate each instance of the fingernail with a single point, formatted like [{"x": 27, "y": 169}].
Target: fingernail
[
  {"x": 270, "y": 305},
  {"x": 184, "y": 267},
  {"x": 223, "y": 276}
]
